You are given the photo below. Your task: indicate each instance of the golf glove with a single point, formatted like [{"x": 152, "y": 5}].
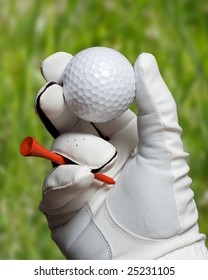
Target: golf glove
[{"x": 150, "y": 212}]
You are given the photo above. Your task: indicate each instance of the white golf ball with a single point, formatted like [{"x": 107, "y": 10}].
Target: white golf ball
[{"x": 99, "y": 84}]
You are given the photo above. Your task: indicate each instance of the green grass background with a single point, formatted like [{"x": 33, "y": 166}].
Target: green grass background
[{"x": 176, "y": 32}]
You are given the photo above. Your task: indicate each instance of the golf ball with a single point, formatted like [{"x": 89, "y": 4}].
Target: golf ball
[{"x": 99, "y": 84}]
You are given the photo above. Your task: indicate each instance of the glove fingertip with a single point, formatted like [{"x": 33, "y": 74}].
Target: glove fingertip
[
  {"x": 146, "y": 63},
  {"x": 52, "y": 67}
]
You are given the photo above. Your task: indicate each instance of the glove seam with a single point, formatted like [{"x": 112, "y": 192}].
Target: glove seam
[
  {"x": 133, "y": 236},
  {"x": 45, "y": 120},
  {"x": 172, "y": 177},
  {"x": 100, "y": 234}
]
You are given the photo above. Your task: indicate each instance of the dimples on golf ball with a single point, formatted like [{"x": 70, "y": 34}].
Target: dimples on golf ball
[{"x": 99, "y": 84}]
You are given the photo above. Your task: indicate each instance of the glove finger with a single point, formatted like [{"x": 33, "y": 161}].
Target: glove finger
[
  {"x": 65, "y": 191},
  {"x": 52, "y": 67},
  {"x": 154, "y": 186},
  {"x": 122, "y": 134},
  {"x": 86, "y": 150},
  {"x": 70, "y": 179},
  {"x": 158, "y": 126},
  {"x": 52, "y": 109},
  {"x": 111, "y": 128}
]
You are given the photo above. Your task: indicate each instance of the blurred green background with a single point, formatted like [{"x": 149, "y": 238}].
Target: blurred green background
[{"x": 176, "y": 32}]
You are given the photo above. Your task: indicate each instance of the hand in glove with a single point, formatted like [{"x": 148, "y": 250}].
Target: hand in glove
[{"x": 150, "y": 212}]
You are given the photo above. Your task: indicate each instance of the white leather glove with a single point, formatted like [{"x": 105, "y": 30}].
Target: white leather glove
[{"x": 150, "y": 212}]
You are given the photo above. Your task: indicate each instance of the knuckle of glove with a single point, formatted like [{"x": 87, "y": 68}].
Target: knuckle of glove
[
  {"x": 86, "y": 150},
  {"x": 50, "y": 100},
  {"x": 71, "y": 177}
]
